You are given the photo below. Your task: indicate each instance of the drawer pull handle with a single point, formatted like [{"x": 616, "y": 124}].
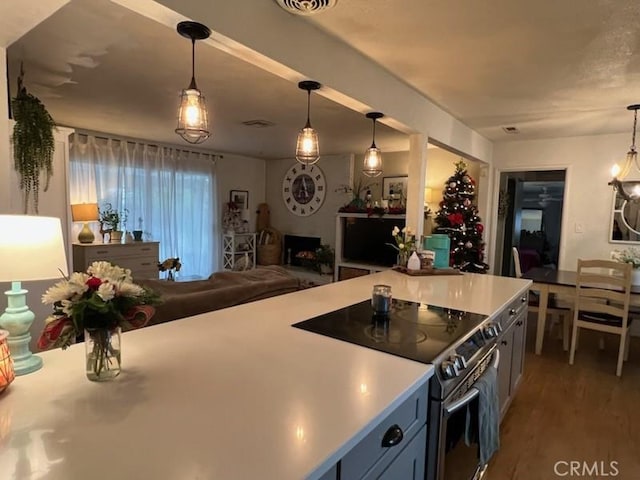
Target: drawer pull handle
[
  {"x": 101, "y": 252},
  {"x": 519, "y": 323},
  {"x": 393, "y": 436},
  {"x": 512, "y": 311}
]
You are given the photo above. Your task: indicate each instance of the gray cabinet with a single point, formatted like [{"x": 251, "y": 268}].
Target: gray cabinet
[
  {"x": 511, "y": 345},
  {"x": 394, "y": 449},
  {"x": 139, "y": 257}
]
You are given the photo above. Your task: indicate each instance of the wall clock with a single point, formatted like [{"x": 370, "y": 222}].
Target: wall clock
[{"x": 303, "y": 189}]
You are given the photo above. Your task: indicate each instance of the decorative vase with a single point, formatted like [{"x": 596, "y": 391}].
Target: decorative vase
[
  {"x": 102, "y": 349},
  {"x": 403, "y": 258},
  {"x": 115, "y": 236}
]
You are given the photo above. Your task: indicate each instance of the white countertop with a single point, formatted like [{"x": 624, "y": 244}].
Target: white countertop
[{"x": 232, "y": 394}]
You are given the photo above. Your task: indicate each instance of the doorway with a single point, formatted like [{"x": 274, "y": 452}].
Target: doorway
[{"x": 530, "y": 219}]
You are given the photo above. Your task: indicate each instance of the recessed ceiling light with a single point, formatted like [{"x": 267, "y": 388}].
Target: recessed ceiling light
[
  {"x": 258, "y": 123},
  {"x": 511, "y": 130}
]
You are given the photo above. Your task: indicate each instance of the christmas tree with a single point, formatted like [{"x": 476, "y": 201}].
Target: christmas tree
[{"x": 458, "y": 218}]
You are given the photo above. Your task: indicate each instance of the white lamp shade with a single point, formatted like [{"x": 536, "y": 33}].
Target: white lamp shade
[{"x": 31, "y": 248}]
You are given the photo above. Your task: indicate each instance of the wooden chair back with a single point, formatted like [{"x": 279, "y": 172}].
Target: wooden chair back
[{"x": 603, "y": 288}]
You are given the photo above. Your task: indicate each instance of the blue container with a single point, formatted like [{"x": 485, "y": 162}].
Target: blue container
[{"x": 439, "y": 243}]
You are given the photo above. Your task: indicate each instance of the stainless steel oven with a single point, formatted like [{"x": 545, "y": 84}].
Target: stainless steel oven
[{"x": 451, "y": 456}]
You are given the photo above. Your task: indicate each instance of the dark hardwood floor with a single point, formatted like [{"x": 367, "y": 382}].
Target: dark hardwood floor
[{"x": 572, "y": 413}]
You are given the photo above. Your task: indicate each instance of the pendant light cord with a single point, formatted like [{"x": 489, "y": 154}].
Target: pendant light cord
[
  {"x": 308, "y": 125},
  {"x": 635, "y": 123},
  {"x": 192, "y": 85},
  {"x": 373, "y": 142}
]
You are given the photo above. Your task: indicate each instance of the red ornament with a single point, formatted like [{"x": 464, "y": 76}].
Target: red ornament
[
  {"x": 479, "y": 228},
  {"x": 455, "y": 218}
]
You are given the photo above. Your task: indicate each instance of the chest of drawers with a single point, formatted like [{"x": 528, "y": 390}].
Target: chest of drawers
[{"x": 140, "y": 257}]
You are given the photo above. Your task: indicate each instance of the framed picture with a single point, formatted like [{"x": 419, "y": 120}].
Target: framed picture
[
  {"x": 240, "y": 198},
  {"x": 394, "y": 187}
]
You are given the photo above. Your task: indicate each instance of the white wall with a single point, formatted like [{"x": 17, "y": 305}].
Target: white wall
[
  {"x": 588, "y": 198},
  {"x": 236, "y": 172},
  {"x": 394, "y": 164},
  {"x": 321, "y": 224}
]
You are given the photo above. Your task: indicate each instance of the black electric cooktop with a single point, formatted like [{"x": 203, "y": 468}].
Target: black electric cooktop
[{"x": 416, "y": 331}]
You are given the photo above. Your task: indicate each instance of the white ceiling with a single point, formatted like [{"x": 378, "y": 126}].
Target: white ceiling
[{"x": 550, "y": 68}]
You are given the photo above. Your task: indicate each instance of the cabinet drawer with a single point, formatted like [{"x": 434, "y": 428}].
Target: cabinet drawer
[
  {"x": 515, "y": 308},
  {"x": 410, "y": 417}
]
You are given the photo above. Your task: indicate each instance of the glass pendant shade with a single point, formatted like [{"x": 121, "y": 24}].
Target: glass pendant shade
[
  {"x": 618, "y": 173},
  {"x": 193, "y": 119},
  {"x": 308, "y": 146},
  {"x": 372, "y": 166},
  {"x": 372, "y": 162}
]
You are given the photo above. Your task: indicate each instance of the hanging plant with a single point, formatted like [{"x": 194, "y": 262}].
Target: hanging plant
[{"x": 33, "y": 143}]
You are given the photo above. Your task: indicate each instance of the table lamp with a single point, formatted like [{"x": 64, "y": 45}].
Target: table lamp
[
  {"x": 85, "y": 212},
  {"x": 31, "y": 248}
]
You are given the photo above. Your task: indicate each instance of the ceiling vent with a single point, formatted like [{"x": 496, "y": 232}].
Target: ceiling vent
[
  {"x": 511, "y": 130},
  {"x": 258, "y": 123},
  {"x": 306, "y": 7}
]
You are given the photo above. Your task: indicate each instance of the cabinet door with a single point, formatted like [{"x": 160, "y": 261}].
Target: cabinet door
[
  {"x": 517, "y": 359},
  {"x": 409, "y": 464},
  {"x": 505, "y": 347}
]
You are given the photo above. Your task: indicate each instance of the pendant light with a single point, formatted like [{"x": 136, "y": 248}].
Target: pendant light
[
  {"x": 193, "y": 120},
  {"x": 373, "y": 157},
  {"x": 307, "y": 148},
  {"x": 632, "y": 157}
]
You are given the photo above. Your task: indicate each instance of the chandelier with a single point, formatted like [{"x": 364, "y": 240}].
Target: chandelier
[{"x": 618, "y": 173}]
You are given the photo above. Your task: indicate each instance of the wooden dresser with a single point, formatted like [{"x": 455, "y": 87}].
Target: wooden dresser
[{"x": 140, "y": 257}]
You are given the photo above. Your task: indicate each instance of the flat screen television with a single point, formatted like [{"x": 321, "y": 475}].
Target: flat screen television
[{"x": 364, "y": 240}]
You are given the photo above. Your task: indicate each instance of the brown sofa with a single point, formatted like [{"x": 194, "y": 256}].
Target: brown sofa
[{"x": 221, "y": 290}]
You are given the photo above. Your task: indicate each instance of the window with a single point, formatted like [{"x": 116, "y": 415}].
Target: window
[{"x": 169, "y": 194}]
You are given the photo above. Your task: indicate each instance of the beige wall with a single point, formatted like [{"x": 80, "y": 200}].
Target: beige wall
[
  {"x": 588, "y": 198},
  {"x": 321, "y": 224}
]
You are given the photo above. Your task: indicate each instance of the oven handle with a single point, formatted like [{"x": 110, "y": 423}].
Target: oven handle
[{"x": 473, "y": 392}]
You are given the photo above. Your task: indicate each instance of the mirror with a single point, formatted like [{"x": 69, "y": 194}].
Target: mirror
[{"x": 625, "y": 218}]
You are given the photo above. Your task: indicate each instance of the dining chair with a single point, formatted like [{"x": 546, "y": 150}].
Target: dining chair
[
  {"x": 603, "y": 294},
  {"x": 560, "y": 311}
]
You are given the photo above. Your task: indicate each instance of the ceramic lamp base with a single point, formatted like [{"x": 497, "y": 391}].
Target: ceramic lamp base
[
  {"x": 86, "y": 235},
  {"x": 17, "y": 319},
  {"x": 23, "y": 360}
]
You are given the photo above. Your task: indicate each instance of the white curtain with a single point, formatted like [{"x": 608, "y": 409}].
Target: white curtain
[{"x": 169, "y": 193}]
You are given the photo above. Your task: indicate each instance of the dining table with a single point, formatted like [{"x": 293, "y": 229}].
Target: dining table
[{"x": 548, "y": 281}]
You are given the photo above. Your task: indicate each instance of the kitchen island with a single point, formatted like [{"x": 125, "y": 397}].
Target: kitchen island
[{"x": 232, "y": 394}]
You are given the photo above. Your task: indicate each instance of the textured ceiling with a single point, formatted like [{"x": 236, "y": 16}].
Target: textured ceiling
[
  {"x": 550, "y": 68},
  {"x": 101, "y": 67}
]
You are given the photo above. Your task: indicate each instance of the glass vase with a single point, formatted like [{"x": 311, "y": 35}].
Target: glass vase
[
  {"x": 102, "y": 353},
  {"x": 403, "y": 258}
]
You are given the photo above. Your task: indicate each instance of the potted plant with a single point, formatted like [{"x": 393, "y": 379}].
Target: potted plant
[
  {"x": 325, "y": 257},
  {"x": 111, "y": 219},
  {"x": 33, "y": 143}
]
